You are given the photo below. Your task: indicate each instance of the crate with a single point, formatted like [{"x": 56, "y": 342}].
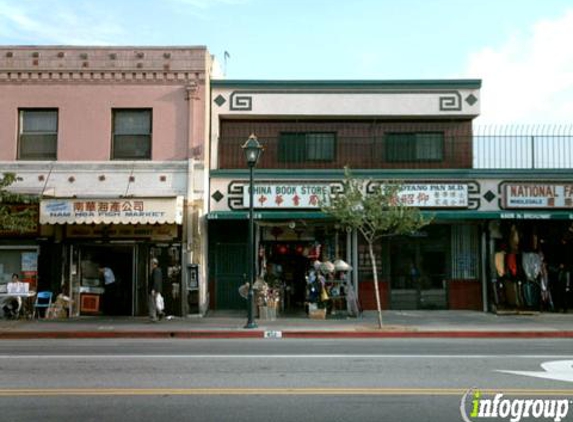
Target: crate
[{"x": 317, "y": 313}]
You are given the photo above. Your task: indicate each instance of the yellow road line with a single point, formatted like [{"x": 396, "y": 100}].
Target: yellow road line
[{"x": 275, "y": 391}]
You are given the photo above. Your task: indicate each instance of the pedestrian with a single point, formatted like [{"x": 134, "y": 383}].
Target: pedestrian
[
  {"x": 110, "y": 292},
  {"x": 155, "y": 288}
]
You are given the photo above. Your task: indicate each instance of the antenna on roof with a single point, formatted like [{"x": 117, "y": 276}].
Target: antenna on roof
[{"x": 226, "y": 56}]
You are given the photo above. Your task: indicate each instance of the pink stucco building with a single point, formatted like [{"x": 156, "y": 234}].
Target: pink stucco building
[{"x": 113, "y": 140}]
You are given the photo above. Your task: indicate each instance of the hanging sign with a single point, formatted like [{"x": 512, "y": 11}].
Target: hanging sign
[
  {"x": 538, "y": 195},
  {"x": 293, "y": 196}
]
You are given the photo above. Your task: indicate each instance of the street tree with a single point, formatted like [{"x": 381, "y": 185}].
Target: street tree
[
  {"x": 16, "y": 214},
  {"x": 376, "y": 211}
]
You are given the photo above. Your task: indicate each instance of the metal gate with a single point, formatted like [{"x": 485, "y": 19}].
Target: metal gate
[{"x": 230, "y": 274}]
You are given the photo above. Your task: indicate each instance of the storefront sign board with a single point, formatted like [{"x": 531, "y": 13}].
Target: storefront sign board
[
  {"x": 538, "y": 195},
  {"x": 304, "y": 196},
  {"x": 112, "y": 211}
]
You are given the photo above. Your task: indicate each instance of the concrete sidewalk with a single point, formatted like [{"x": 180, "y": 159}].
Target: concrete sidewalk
[{"x": 436, "y": 324}]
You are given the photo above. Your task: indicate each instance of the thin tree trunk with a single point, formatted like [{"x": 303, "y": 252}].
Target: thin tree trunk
[{"x": 376, "y": 288}]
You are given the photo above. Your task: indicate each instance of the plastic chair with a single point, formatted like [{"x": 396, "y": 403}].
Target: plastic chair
[{"x": 43, "y": 300}]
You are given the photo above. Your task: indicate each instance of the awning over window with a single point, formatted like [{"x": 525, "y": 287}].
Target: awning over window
[{"x": 112, "y": 211}]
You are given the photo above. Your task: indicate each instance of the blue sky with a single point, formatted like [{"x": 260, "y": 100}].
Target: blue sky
[{"x": 521, "y": 49}]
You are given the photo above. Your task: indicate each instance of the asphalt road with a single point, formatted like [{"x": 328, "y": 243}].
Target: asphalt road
[{"x": 279, "y": 379}]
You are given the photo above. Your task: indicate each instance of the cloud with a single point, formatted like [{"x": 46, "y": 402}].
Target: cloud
[
  {"x": 528, "y": 79},
  {"x": 51, "y": 23}
]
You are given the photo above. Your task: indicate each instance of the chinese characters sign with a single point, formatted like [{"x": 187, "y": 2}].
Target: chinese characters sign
[
  {"x": 538, "y": 195},
  {"x": 287, "y": 196},
  {"x": 304, "y": 196},
  {"x": 435, "y": 195},
  {"x": 108, "y": 211}
]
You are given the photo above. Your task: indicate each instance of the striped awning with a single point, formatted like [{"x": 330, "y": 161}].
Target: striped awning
[{"x": 112, "y": 211}]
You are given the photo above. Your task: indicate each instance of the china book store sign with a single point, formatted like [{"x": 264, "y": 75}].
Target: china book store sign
[
  {"x": 538, "y": 195},
  {"x": 291, "y": 196},
  {"x": 108, "y": 211}
]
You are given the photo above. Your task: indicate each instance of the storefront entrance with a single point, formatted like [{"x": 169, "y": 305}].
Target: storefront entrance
[
  {"x": 88, "y": 283},
  {"x": 418, "y": 270}
]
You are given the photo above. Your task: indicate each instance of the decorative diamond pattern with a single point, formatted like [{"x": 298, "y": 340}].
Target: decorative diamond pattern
[
  {"x": 217, "y": 196},
  {"x": 220, "y": 100},
  {"x": 471, "y": 99},
  {"x": 489, "y": 196}
]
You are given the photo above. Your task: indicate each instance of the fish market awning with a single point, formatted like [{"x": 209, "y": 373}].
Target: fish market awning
[{"x": 112, "y": 211}]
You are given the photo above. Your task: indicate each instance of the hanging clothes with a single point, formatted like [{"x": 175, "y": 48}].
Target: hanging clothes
[
  {"x": 511, "y": 261},
  {"x": 531, "y": 263},
  {"x": 500, "y": 263}
]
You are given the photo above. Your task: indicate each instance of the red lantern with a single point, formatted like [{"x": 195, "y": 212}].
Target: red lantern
[
  {"x": 283, "y": 249},
  {"x": 299, "y": 249}
]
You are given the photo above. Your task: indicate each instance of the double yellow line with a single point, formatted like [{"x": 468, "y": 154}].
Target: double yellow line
[{"x": 275, "y": 391}]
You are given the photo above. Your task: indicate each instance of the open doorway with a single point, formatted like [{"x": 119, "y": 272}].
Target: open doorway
[{"x": 115, "y": 298}]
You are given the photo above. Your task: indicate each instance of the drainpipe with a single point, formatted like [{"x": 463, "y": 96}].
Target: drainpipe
[{"x": 484, "y": 267}]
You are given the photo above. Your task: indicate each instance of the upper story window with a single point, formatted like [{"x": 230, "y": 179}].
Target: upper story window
[
  {"x": 38, "y": 134},
  {"x": 407, "y": 147},
  {"x": 131, "y": 134},
  {"x": 299, "y": 147}
]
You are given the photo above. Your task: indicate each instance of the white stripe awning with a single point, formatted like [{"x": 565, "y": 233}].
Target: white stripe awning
[{"x": 112, "y": 211}]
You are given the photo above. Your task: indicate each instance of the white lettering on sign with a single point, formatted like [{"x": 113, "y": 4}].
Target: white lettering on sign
[
  {"x": 538, "y": 195},
  {"x": 287, "y": 196}
]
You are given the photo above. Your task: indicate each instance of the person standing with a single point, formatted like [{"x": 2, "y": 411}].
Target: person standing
[
  {"x": 155, "y": 288},
  {"x": 110, "y": 293}
]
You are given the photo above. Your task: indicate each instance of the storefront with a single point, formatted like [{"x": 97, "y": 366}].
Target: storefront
[
  {"x": 19, "y": 254},
  {"x": 531, "y": 248},
  {"x": 122, "y": 235},
  {"x": 437, "y": 268}
]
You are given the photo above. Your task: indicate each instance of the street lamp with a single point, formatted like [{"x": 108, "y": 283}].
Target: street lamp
[{"x": 253, "y": 151}]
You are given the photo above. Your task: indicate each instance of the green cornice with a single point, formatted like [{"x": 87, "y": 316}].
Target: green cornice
[
  {"x": 348, "y": 84},
  {"x": 514, "y": 174}
]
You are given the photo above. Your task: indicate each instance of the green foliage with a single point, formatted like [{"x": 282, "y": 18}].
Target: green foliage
[
  {"x": 375, "y": 213},
  {"x": 15, "y": 213}
]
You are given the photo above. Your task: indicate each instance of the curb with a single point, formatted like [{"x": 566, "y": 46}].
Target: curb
[{"x": 260, "y": 334}]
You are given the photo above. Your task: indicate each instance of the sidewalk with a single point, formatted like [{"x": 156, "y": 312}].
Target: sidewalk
[{"x": 437, "y": 324}]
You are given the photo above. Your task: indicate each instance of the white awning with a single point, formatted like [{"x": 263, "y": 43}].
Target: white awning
[{"x": 112, "y": 211}]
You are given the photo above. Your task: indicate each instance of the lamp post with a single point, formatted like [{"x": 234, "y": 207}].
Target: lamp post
[{"x": 253, "y": 151}]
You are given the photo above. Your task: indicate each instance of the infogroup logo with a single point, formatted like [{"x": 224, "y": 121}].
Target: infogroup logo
[{"x": 475, "y": 406}]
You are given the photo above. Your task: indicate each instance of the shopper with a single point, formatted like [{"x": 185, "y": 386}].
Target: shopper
[
  {"x": 110, "y": 293},
  {"x": 155, "y": 288}
]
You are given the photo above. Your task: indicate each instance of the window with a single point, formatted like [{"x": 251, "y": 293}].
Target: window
[
  {"x": 300, "y": 147},
  {"x": 38, "y": 134},
  {"x": 427, "y": 146},
  {"x": 131, "y": 134}
]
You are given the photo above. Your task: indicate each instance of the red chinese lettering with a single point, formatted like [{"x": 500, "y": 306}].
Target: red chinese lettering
[
  {"x": 126, "y": 206},
  {"x": 114, "y": 207},
  {"x": 296, "y": 200},
  {"x": 138, "y": 205},
  {"x": 279, "y": 200},
  {"x": 90, "y": 206},
  {"x": 78, "y": 206},
  {"x": 102, "y": 206},
  {"x": 423, "y": 198}
]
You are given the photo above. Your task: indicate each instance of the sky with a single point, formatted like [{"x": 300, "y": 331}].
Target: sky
[{"x": 522, "y": 50}]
